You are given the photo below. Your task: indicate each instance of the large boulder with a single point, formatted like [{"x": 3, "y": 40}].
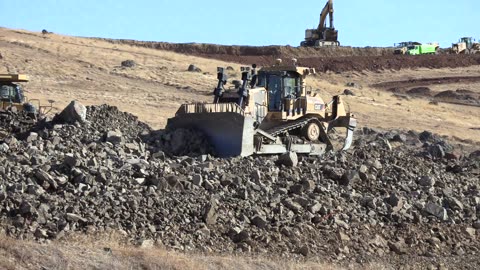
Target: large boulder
[
  {"x": 74, "y": 112},
  {"x": 129, "y": 63},
  {"x": 193, "y": 68},
  {"x": 289, "y": 159}
]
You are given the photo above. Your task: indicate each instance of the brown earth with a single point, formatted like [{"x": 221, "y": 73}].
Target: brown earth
[
  {"x": 392, "y": 62},
  {"x": 427, "y": 81},
  {"x": 361, "y": 63},
  {"x": 272, "y": 51},
  {"x": 338, "y": 59},
  {"x": 421, "y": 89}
]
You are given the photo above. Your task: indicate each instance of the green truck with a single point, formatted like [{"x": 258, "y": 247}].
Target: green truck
[{"x": 422, "y": 49}]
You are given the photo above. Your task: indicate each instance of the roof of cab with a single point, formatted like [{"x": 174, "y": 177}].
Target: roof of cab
[{"x": 13, "y": 78}]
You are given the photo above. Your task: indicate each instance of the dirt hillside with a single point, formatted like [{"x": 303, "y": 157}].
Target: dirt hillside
[
  {"x": 222, "y": 50},
  {"x": 337, "y": 59},
  {"x": 63, "y": 68},
  {"x": 401, "y": 194}
]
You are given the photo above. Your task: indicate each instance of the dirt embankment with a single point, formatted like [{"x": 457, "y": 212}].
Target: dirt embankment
[
  {"x": 420, "y": 88},
  {"x": 361, "y": 63},
  {"x": 392, "y": 62},
  {"x": 372, "y": 63},
  {"x": 219, "y": 51},
  {"x": 339, "y": 59}
]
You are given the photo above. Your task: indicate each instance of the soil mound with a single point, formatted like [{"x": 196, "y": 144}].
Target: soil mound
[
  {"x": 334, "y": 59},
  {"x": 420, "y": 91}
]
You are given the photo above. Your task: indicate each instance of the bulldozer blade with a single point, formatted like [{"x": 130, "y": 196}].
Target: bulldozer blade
[{"x": 229, "y": 133}]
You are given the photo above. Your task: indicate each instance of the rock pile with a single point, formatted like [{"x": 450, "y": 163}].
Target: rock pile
[
  {"x": 393, "y": 193},
  {"x": 179, "y": 142},
  {"x": 12, "y": 122}
]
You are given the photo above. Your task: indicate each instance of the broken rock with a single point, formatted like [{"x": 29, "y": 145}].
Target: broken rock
[
  {"x": 289, "y": 159},
  {"x": 349, "y": 177},
  {"x": 259, "y": 221},
  {"x": 436, "y": 210},
  {"x": 114, "y": 137},
  {"x": 74, "y": 112}
]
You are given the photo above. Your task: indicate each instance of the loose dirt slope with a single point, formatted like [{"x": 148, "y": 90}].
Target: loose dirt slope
[
  {"x": 337, "y": 59},
  {"x": 222, "y": 50},
  {"x": 63, "y": 68}
]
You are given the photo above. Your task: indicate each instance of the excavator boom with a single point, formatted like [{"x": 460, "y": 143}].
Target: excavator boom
[
  {"x": 327, "y": 10},
  {"x": 323, "y": 35}
]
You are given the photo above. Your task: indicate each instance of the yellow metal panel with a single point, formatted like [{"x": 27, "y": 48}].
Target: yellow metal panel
[{"x": 13, "y": 78}]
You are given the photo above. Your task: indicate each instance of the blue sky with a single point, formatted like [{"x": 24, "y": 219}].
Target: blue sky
[{"x": 248, "y": 22}]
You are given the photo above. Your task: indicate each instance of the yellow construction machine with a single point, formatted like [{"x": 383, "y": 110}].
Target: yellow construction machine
[
  {"x": 466, "y": 45},
  {"x": 271, "y": 112},
  {"x": 323, "y": 35},
  {"x": 13, "y": 99}
]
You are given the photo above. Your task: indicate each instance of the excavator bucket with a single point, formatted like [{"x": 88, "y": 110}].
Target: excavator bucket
[{"x": 229, "y": 131}]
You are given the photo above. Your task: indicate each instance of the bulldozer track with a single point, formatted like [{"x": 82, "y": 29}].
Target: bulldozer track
[{"x": 291, "y": 125}]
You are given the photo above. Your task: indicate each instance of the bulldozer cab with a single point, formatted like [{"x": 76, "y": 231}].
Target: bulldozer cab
[
  {"x": 11, "y": 93},
  {"x": 467, "y": 41},
  {"x": 285, "y": 88},
  {"x": 280, "y": 85}
]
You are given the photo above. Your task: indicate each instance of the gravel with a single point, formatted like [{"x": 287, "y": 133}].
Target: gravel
[{"x": 392, "y": 193}]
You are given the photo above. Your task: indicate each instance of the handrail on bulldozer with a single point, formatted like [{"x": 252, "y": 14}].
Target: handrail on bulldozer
[{"x": 211, "y": 108}]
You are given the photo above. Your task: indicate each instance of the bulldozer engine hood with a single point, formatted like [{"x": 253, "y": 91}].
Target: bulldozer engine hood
[{"x": 316, "y": 103}]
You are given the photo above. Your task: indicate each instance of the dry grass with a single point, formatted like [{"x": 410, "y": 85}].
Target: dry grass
[
  {"x": 84, "y": 252},
  {"x": 380, "y": 109},
  {"x": 64, "y": 68}
]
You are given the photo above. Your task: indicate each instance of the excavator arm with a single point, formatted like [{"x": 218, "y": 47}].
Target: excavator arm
[{"x": 327, "y": 11}]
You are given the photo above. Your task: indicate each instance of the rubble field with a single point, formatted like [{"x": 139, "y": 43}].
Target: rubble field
[{"x": 396, "y": 196}]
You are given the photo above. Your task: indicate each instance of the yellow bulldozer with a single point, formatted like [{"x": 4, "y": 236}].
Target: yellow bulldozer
[
  {"x": 272, "y": 111},
  {"x": 466, "y": 45},
  {"x": 12, "y": 97}
]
